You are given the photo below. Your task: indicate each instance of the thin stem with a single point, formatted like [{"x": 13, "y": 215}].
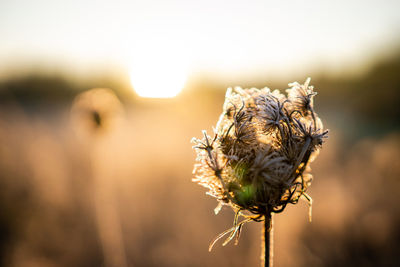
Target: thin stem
[
  {"x": 300, "y": 158},
  {"x": 314, "y": 119},
  {"x": 267, "y": 244}
]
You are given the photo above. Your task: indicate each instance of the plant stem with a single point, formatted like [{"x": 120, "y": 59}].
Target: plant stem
[{"x": 267, "y": 244}]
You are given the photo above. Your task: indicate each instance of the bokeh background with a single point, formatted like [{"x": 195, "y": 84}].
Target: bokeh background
[{"x": 102, "y": 177}]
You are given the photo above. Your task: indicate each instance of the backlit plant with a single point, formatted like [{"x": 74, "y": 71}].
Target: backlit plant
[{"x": 257, "y": 160}]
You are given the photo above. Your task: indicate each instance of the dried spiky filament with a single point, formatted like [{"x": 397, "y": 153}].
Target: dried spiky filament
[{"x": 258, "y": 158}]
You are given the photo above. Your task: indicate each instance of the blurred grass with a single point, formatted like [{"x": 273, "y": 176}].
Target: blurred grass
[{"x": 75, "y": 196}]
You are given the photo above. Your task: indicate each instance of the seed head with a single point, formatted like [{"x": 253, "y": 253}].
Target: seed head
[{"x": 257, "y": 160}]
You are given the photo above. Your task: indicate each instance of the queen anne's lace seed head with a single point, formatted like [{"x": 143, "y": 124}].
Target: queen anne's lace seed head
[
  {"x": 258, "y": 159},
  {"x": 301, "y": 96}
]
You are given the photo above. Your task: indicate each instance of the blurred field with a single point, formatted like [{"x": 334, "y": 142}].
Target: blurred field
[{"x": 108, "y": 183}]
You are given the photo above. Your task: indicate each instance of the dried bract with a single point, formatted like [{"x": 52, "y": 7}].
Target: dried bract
[{"x": 258, "y": 157}]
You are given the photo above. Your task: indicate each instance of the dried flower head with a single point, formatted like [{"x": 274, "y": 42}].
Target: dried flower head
[
  {"x": 257, "y": 160},
  {"x": 95, "y": 111}
]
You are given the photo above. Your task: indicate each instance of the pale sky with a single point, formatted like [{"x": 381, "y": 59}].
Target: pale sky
[{"x": 227, "y": 37}]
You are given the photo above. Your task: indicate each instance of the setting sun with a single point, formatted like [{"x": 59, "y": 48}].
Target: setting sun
[{"x": 158, "y": 76}]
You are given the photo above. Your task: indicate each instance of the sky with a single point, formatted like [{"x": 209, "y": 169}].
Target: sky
[{"x": 224, "y": 37}]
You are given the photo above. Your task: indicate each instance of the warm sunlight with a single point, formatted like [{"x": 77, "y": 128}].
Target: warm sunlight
[{"x": 160, "y": 75}]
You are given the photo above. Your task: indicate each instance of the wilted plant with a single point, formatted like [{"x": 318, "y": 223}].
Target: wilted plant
[{"x": 257, "y": 160}]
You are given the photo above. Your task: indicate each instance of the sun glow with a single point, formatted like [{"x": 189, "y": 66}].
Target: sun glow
[{"x": 158, "y": 75}]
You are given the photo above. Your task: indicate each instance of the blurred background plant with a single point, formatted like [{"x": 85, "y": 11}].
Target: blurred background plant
[{"x": 103, "y": 177}]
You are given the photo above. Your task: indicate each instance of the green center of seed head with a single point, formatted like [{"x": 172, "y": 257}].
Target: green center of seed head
[
  {"x": 242, "y": 187},
  {"x": 245, "y": 197}
]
